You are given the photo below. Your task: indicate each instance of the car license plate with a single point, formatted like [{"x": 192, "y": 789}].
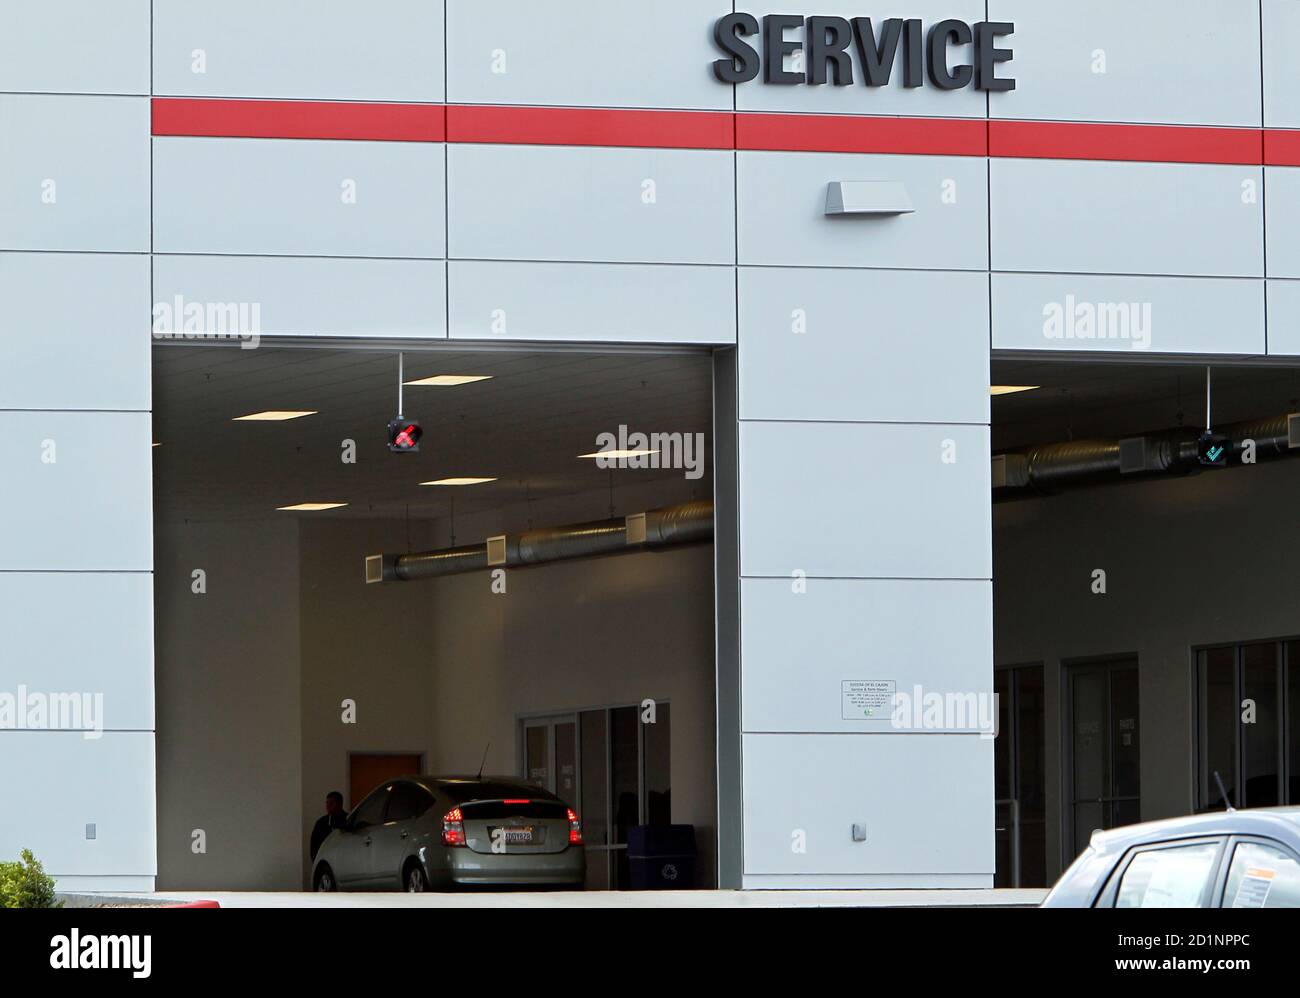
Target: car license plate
[{"x": 517, "y": 836}]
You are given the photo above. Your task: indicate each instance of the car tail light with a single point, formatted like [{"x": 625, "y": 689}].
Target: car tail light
[
  {"x": 575, "y": 829},
  {"x": 453, "y": 828}
]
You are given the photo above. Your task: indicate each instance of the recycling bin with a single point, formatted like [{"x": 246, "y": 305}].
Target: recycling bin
[{"x": 661, "y": 857}]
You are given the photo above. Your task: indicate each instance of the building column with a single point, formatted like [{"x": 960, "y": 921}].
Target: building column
[
  {"x": 76, "y": 520},
  {"x": 861, "y": 554}
]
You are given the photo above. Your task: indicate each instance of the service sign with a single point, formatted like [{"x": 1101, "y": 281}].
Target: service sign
[{"x": 853, "y": 52}]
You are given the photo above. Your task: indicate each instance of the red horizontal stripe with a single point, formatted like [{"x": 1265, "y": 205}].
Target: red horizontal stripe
[
  {"x": 850, "y": 133},
  {"x": 1130, "y": 143},
  {"x": 285, "y": 119},
  {"x": 723, "y": 130},
  {"x": 569, "y": 126},
  {"x": 1281, "y": 148}
]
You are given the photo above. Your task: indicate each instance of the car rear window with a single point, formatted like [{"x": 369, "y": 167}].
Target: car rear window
[
  {"x": 484, "y": 800},
  {"x": 468, "y": 790},
  {"x": 484, "y": 810}
]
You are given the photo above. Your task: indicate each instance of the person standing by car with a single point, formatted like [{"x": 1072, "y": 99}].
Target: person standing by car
[{"x": 333, "y": 818}]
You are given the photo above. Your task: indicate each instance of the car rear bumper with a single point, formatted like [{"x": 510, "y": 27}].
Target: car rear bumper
[{"x": 470, "y": 869}]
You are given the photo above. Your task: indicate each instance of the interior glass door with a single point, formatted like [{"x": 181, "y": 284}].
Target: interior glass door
[{"x": 1105, "y": 771}]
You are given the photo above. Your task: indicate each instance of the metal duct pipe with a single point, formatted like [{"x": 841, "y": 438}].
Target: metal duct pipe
[
  {"x": 1272, "y": 435},
  {"x": 682, "y": 524},
  {"x": 1076, "y": 459},
  {"x": 691, "y": 521},
  {"x": 448, "y": 561},
  {"x": 577, "y": 540},
  {"x": 1059, "y": 464}
]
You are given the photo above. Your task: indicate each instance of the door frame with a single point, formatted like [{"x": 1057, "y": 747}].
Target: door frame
[
  {"x": 349, "y": 753},
  {"x": 1012, "y": 731},
  {"x": 1068, "y": 666},
  {"x": 1286, "y": 673},
  {"x": 550, "y": 719},
  {"x": 550, "y": 722}
]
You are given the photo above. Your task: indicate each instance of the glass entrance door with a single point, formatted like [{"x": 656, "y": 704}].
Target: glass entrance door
[
  {"x": 551, "y": 755},
  {"x": 1104, "y": 767},
  {"x": 537, "y": 754},
  {"x": 613, "y": 766}
]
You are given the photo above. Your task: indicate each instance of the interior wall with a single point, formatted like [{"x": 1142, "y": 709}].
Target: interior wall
[
  {"x": 1189, "y": 561},
  {"x": 252, "y": 676},
  {"x": 229, "y": 735},
  {"x": 368, "y": 644},
  {"x": 590, "y": 633}
]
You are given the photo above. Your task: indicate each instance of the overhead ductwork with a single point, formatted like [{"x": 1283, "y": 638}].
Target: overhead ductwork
[
  {"x": 1052, "y": 466},
  {"x": 682, "y": 524}
]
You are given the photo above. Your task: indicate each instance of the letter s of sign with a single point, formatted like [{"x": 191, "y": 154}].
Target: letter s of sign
[{"x": 742, "y": 64}]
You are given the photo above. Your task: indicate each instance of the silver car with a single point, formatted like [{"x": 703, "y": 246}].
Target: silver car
[
  {"x": 422, "y": 833},
  {"x": 1228, "y": 859}
]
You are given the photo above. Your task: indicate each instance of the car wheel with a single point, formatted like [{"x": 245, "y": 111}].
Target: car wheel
[
  {"x": 415, "y": 882},
  {"x": 325, "y": 880}
]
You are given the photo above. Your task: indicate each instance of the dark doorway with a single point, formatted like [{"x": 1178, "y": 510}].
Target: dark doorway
[
  {"x": 1102, "y": 749},
  {"x": 1020, "y": 778}
]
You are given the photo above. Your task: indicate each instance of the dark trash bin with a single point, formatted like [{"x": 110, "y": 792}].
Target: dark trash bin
[{"x": 661, "y": 857}]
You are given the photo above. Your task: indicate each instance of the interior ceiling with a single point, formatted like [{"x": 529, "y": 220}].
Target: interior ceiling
[
  {"x": 524, "y": 427},
  {"x": 1078, "y": 399},
  {"x": 541, "y": 409}
]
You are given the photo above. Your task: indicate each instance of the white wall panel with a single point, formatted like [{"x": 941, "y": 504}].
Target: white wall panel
[
  {"x": 888, "y": 346},
  {"x": 1165, "y": 61},
  {"x": 1281, "y": 68},
  {"x": 74, "y": 332},
  {"x": 59, "y": 782},
  {"x": 864, "y": 500},
  {"x": 927, "y": 802},
  {"x": 1127, "y": 218},
  {"x": 1282, "y": 200},
  {"x": 291, "y": 197},
  {"x": 108, "y": 651},
  {"x": 783, "y": 220},
  {"x": 1137, "y": 314},
  {"x": 800, "y": 647},
  {"x": 313, "y": 296},
  {"x": 594, "y": 302},
  {"x": 74, "y": 174},
  {"x": 599, "y": 53},
  {"x": 74, "y": 46},
  {"x": 384, "y": 50},
  {"x": 78, "y": 491},
  {"x": 1284, "y": 317},
  {"x": 575, "y": 204}
]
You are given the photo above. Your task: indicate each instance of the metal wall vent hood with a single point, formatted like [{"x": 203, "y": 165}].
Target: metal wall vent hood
[{"x": 867, "y": 197}]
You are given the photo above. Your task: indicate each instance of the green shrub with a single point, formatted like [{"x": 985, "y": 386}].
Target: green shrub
[{"x": 26, "y": 885}]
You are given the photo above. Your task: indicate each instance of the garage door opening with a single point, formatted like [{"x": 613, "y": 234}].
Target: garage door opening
[
  {"x": 1145, "y": 664},
  {"x": 529, "y": 596}
]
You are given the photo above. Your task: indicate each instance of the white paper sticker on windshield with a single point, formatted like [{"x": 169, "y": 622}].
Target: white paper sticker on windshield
[{"x": 1254, "y": 887}]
